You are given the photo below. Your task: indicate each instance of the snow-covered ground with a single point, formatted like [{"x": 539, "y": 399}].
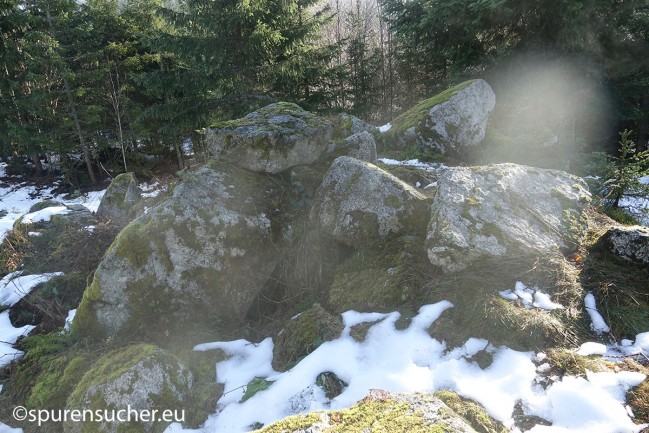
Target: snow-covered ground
[
  {"x": 17, "y": 198},
  {"x": 410, "y": 360}
]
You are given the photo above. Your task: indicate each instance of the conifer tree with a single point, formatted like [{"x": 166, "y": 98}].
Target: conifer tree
[{"x": 219, "y": 58}]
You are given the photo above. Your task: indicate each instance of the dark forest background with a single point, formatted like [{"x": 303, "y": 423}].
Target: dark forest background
[{"x": 98, "y": 87}]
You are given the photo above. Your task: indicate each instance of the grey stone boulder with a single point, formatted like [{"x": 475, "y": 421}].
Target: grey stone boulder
[
  {"x": 358, "y": 203},
  {"x": 347, "y": 124},
  {"x": 360, "y": 146},
  {"x": 118, "y": 202},
  {"x": 201, "y": 255},
  {"x": 503, "y": 210},
  {"x": 379, "y": 411},
  {"x": 271, "y": 139},
  {"x": 448, "y": 122},
  {"x": 138, "y": 377},
  {"x": 630, "y": 243}
]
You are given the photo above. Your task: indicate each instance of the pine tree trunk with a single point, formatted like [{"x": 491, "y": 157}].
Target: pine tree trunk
[{"x": 179, "y": 156}]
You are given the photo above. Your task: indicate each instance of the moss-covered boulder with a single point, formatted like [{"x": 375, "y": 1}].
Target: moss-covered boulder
[
  {"x": 358, "y": 203},
  {"x": 448, "y": 122},
  {"x": 504, "y": 210},
  {"x": 138, "y": 377},
  {"x": 360, "y": 146},
  {"x": 303, "y": 334},
  {"x": 271, "y": 139},
  {"x": 380, "y": 411},
  {"x": 118, "y": 202},
  {"x": 201, "y": 255}
]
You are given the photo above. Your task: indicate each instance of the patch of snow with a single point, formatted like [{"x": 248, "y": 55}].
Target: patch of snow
[
  {"x": 598, "y": 325},
  {"x": 69, "y": 319},
  {"x": 89, "y": 228},
  {"x": 410, "y": 360},
  {"x": 432, "y": 167},
  {"x": 90, "y": 200},
  {"x": 4, "y": 428},
  {"x": 14, "y": 287},
  {"x": 8, "y": 336},
  {"x": 16, "y": 199},
  {"x": 530, "y": 297},
  {"x": 592, "y": 348},
  {"x": 34, "y": 234},
  {"x": 151, "y": 190},
  {"x": 385, "y": 128},
  {"x": 45, "y": 214}
]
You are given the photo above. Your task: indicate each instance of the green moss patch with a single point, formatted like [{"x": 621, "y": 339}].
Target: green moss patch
[
  {"x": 303, "y": 334},
  {"x": 383, "y": 275},
  {"x": 419, "y": 113},
  {"x": 472, "y": 412},
  {"x": 387, "y": 415}
]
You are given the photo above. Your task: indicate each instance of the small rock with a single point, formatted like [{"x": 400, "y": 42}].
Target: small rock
[
  {"x": 120, "y": 198},
  {"x": 630, "y": 243}
]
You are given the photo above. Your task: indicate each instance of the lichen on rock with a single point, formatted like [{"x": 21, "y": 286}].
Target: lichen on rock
[
  {"x": 447, "y": 122},
  {"x": 360, "y": 146},
  {"x": 118, "y": 202},
  {"x": 503, "y": 210},
  {"x": 630, "y": 243},
  {"x": 138, "y": 377},
  {"x": 358, "y": 203},
  {"x": 203, "y": 253},
  {"x": 271, "y": 139},
  {"x": 380, "y": 411}
]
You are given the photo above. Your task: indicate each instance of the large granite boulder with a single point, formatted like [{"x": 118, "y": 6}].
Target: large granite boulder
[
  {"x": 504, "y": 209},
  {"x": 120, "y": 198},
  {"x": 140, "y": 377},
  {"x": 448, "y": 122},
  {"x": 358, "y": 203},
  {"x": 379, "y": 411},
  {"x": 630, "y": 243},
  {"x": 271, "y": 139},
  {"x": 360, "y": 146},
  {"x": 201, "y": 255}
]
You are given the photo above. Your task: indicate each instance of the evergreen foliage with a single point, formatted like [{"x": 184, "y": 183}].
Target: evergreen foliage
[{"x": 620, "y": 174}]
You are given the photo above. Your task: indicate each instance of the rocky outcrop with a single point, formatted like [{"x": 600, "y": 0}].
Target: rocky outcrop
[
  {"x": 203, "y": 253},
  {"x": 393, "y": 412},
  {"x": 453, "y": 120},
  {"x": 120, "y": 198},
  {"x": 271, "y": 139},
  {"x": 138, "y": 378},
  {"x": 504, "y": 210},
  {"x": 358, "y": 203},
  {"x": 360, "y": 146},
  {"x": 630, "y": 243}
]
